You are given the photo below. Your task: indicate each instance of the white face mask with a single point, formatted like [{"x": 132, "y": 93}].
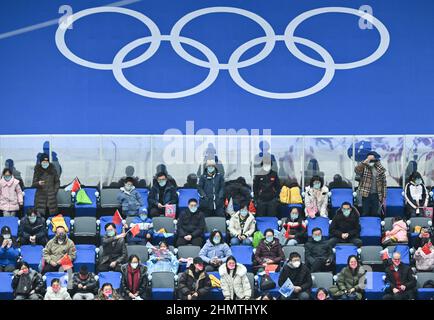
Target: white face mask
[
  {"x": 296, "y": 264},
  {"x": 134, "y": 265}
]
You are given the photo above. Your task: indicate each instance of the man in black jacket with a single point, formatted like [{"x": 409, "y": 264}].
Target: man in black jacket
[
  {"x": 162, "y": 193},
  {"x": 27, "y": 283},
  {"x": 194, "y": 283},
  {"x": 114, "y": 250},
  {"x": 32, "y": 229},
  {"x": 401, "y": 280},
  {"x": 345, "y": 226},
  {"x": 299, "y": 275},
  {"x": 84, "y": 285},
  {"x": 191, "y": 226},
  {"x": 211, "y": 189},
  {"x": 319, "y": 253},
  {"x": 266, "y": 189}
]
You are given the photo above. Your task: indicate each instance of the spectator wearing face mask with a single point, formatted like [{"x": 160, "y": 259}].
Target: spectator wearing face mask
[
  {"x": 316, "y": 198},
  {"x": 424, "y": 254},
  {"x": 191, "y": 225},
  {"x": 268, "y": 252},
  {"x": 372, "y": 185},
  {"x": 350, "y": 284},
  {"x": 145, "y": 226},
  {"x": 416, "y": 196},
  {"x": 56, "y": 291},
  {"x": 322, "y": 294},
  {"x": 215, "y": 252},
  {"x": 299, "y": 275},
  {"x": 32, "y": 229},
  {"x": 319, "y": 253},
  {"x": 345, "y": 226},
  {"x": 46, "y": 181},
  {"x": 400, "y": 280},
  {"x": 162, "y": 260},
  {"x": 211, "y": 190},
  {"x": 11, "y": 195},
  {"x": 27, "y": 283},
  {"x": 129, "y": 198},
  {"x": 266, "y": 189},
  {"x": 56, "y": 249},
  {"x": 84, "y": 285},
  {"x": 114, "y": 250},
  {"x": 107, "y": 292},
  {"x": 194, "y": 283},
  {"x": 242, "y": 225},
  {"x": 294, "y": 228},
  {"x": 8, "y": 251},
  {"x": 161, "y": 194},
  {"x": 235, "y": 284},
  {"x": 134, "y": 279}
]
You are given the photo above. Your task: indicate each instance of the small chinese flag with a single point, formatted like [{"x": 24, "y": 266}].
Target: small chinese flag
[
  {"x": 426, "y": 249},
  {"x": 117, "y": 218},
  {"x": 135, "y": 230},
  {"x": 66, "y": 262},
  {"x": 75, "y": 185}
]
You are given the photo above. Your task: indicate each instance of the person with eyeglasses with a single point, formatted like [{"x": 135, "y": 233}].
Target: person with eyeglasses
[{"x": 400, "y": 280}]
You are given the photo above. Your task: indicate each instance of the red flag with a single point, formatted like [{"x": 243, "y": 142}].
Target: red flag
[
  {"x": 135, "y": 230},
  {"x": 117, "y": 218},
  {"x": 66, "y": 262},
  {"x": 75, "y": 185},
  {"x": 426, "y": 248}
]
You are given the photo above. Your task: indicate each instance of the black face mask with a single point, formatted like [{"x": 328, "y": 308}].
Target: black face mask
[{"x": 61, "y": 237}]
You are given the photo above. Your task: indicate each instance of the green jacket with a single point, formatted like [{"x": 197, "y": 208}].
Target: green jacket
[{"x": 347, "y": 280}]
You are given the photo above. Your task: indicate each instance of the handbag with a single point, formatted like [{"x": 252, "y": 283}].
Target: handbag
[{"x": 267, "y": 283}]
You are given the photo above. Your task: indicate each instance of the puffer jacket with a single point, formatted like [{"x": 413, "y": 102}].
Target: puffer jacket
[
  {"x": 398, "y": 232},
  {"x": 318, "y": 250},
  {"x": 142, "y": 285},
  {"x": 46, "y": 195},
  {"x": 296, "y": 228},
  {"x": 54, "y": 251},
  {"x": 237, "y": 190},
  {"x": 170, "y": 196},
  {"x": 424, "y": 262},
  {"x": 8, "y": 256},
  {"x": 61, "y": 295},
  {"x": 189, "y": 284},
  {"x": 266, "y": 187},
  {"x": 90, "y": 283},
  {"x": 11, "y": 195},
  {"x": 341, "y": 224},
  {"x": 222, "y": 251},
  {"x": 235, "y": 286},
  {"x": 416, "y": 195},
  {"x": 131, "y": 201},
  {"x": 211, "y": 189},
  {"x": 319, "y": 200},
  {"x": 25, "y": 283},
  {"x": 235, "y": 225},
  {"x": 300, "y": 277},
  {"x": 271, "y": 251},
  {"x": 347, "y": 280},
  {"x": 38, "y": 229}
]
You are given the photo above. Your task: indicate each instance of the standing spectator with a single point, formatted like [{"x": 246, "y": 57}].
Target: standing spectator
[
  {"x": 372, "y": 185},
  {"x": 299, "y": 275},
  {"x": 84, "y": 285},
  {"x": 32, "y": 229},
  {"x": 295, "y": 228},
  {"x": 56, "y": 249},
  {"x": 215, "y": 252},
  {"x": 416, "y": 196},
  {"x": 234, "y": 281},
  {"x": 161, "y": 194},
  {"x": 351, "y": 281},
  {"x": 345, "y": 226},
  {"x": 8, "y": 251},
  {"x": 239, "y": 192},
  {"x": 162, "y": 260},
  {"x": 129, "y": 198},
  {"x": 316, "y": 198},
  {"x": 27, "y": 283},
  {"x": 211, "y": 191},
  {"x": 191, "y": 181},
  {"x": 194, "y": 283},
  {"x": 46, "y": 181},
  {"x": 266, "y": 189},
  {"x": 114, "y": 250},
  {"x": 11, "y": 195},
  {"x": 191, "y": 225},
  {"x": 399, "y": 279},
  {"x": 56, "y": 291},
  {"x": 268, "y": 252},
  {"x": 319, "y": 253},
  {"x": 107, "y": 292},
  {"x": 134, "y": 279},
  {"x": 242, "y": 225}
]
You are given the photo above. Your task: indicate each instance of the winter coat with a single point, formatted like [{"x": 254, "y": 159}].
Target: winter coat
[
  {"x": 38, "y": 229},
  {"x": 300, "y": 277},
  {"x": 61, "y": 295},
  {"x": 25, "y": 283},
  {"x": 167, "y": 263},
  {"x": 191, "y": 224},
  {"x": 221, "y": 251},
  {"x": 113, "y": 250},
  {"x": 406, "y": 276},
  {"x": 341, "y": 224},
  {"x": 54, "y": 251},
  {"x": 90, "y": 283},
  {"x": 296, "y": 228},
  {"x": 211, "y": 189},
  {"x": 416, "y": 195},
  {"x": 145, "y": 229},
  {"x": 46, "y": 195},
  {"x": 170, "y": 196},
  {"x": 8, "y": 256},
  {"x": 131, "y": 201},
  {"x": 365, "y": 183},
  {"x": 271, "y": 251},
  {"x": 235, "y": 225},
  {"x": 318, "y": 200},
  {"x": 424, "y": 262},
  {"x": 315, "y": 250},
  {"x": 101, "y": 295},
  {"x": 11, "y": 195},
  {"x": 398, "y": 232},
  {"x": 143, "y": 282},
  {"x": 188, "y": 284},
  {"x": 237, "y": 286},
  {"x": 238, "y": 191},
  {"x": 266, "y": 187},
  {"x": 347, "y": 280}
]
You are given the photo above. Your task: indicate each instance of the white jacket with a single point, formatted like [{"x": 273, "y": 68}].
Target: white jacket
[
  {"x": 235, "y": 226},
  {"x": 61, "y": 295},
  {"x": 235, "y": 286},
  {"x": 311, "y": 199}
]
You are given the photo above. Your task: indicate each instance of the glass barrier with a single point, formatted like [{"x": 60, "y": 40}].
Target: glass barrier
[{"x": 419, "y": 156}]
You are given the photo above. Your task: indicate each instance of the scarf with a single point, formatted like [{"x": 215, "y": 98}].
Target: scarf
[{"x": 133, "y": 279}]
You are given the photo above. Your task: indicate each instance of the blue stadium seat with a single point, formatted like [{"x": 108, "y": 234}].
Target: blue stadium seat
[
  {"x": 403, "y": 249},
  {"x": 264, "y": 223},
  {"x": 163, "y": 286},
  {"x": 50, "y": 227},
  {"x": 274, "y": 292},
  {"x": 110, "y": 277},
  {"x": 144, "y": 193},
  {"x": 103, "y": 221},
  {"x": 285, "y": 209},
  {"x": 29, "y": 198},
  {"x": 218, "y": 223},
  {"x": 215, "y": 293},
  {"x": 63, "y": 276},
  {"x": 374, "y": 285},
  {"x": 168, "y": 225},
  {"x": 185, "y": 195},
  {"x": 321, "y": 280},
  {"x": 370, "y": 231},
  {"x": 11, "y": 222},
  {"x": 85, "y": 256},
  {"x": 87, "y": 210},
  {"x": 6, "y": 292},
  {"x": 394, "y": 202},
  {"x": 318, "y": 222},
  {"x": 342, "y": 253},
  {"x": 32, "y": 255},
  {"x": 340, "y": 196},
  {"x": 243, "y": 254}
]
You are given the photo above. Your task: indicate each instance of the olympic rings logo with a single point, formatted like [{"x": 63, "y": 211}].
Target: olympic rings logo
[{"x": 212, "y": 62}]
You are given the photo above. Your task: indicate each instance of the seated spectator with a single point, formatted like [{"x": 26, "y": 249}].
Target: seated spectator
[
  {"x": 299, "y": 275},
  {"x": 56, "y": 291},
  {"x": 242, "y": 225},
  {"x": 108, "y": 293},
  {"x": 345, "y": 226},
  {"x": 351, "y": 281},
  {"x": 400, "y": 280},
  {"x": 162, "y": 260},
  {"x": 114, "y": 250},
  {"x": 322, "y": 294},
  {"x": 130, "y": 199},
  {"x": 266, "y": 189},
  {"x": 56, "y": 249},
  {"x": 146, "y": 229},
  {"x": 211, "y": 189},
  {"x": 319, "y": 253},
  {"x": 32, "y": 229},
  {"x": 234, "y": 281},
  {"x": 27, "y": 283},
  {"x": 11, "y": 195},
  {"x": 194, "y": 283},
  {"x": 84, "y": 285},
  {"x": 424, "y": 255},
  {"x": 161, "y": 194},
  {"x": 162, "y": 168},
  {"x": 294, "y": 228},
  {"x": 398, "y": 234},
  {"x": 191, "y": 225},
  {"x": 266, "y": 296},
  {"x": 425, "y": 236},
  {"x": 316, "y": 198},
  {"x": 239, "y": 192},
  {"x": 215, "y": 251},
  {"x": 191, "y": 181},
  {"x": 134, "y": 279},
  {"x": 416, "y": 196},
  {"x": 268, "y": 252},
  {"x": 8, "y": 251}
]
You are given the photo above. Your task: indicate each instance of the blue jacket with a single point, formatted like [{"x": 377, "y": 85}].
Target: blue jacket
[
  {"x": 8, "y": 256},
  {"x": 222, "y": 251},
  {"x": 131, "y": 201},
  {"x": 143, "y": 233}
]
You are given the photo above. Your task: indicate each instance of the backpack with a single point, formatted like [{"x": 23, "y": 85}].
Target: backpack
[{"x": 290, "y": 195}]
